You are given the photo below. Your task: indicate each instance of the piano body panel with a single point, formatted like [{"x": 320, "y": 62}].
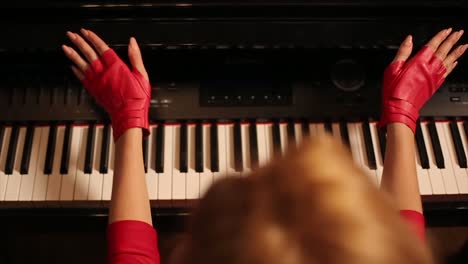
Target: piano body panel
[{"x": 202, "y": 56}]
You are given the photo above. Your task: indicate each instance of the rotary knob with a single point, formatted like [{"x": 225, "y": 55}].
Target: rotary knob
[{"x": 348, "y": 75}]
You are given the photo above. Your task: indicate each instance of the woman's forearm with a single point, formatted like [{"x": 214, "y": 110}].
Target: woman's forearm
[
  {"x": 129, "y": 192},
  {"x": 399, "y": 178}
]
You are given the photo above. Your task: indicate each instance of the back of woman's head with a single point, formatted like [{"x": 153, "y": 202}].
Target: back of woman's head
[{"x": 312, "y": 206}]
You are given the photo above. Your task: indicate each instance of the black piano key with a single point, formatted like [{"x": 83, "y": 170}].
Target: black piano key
[
  {"x": 305, "y": 129},
  {"x": 382, "y": 135},
  {"x": 66, "y": 150},
  {"x": 344, "y": 133},
  {"x": 465, "y": 126},
  {"x": 145, "y": 153},
  {"x": 183, "y": 148},
  {"x": 10, "y": 159},
  {"x": 422, "y": 151},
  {"x": 27, "y": 148},
  {"x": 104, "y": 162},
  {"x": 458, "y": 145},
  {"x": 276, "y": 137},
  {"x": 89, "y": 155},
  {"x": 253, "y": 144},
  {"x": 238, "y": 160},
  {"x": 199, "y": 147},
  {"x": 214, "y": 147},
  {"x": 159, "y": 166},
  {"x": 2, "y": 133},
  {"x": 50, "y": 153},
  {"x": 436, "y": 145},
  {"x": 328, "y": 127},
  {"x": 369, "y": 146},
  {"x": 291, "y": 131}
]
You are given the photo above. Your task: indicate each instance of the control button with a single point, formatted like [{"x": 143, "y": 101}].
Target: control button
[
  {"x": 348, "y": 75},
  {"x": 172, "y": 86},
  {"x": 455, "y": 99},
  {"x": 166, "y": 101},
  {"x": 455, "y": 88}
]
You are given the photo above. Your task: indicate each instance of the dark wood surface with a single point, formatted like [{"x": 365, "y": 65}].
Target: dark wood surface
[{"x": 79, "y": 235}]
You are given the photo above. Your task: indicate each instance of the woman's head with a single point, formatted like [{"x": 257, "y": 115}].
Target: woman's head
[{"x": 312, "y": 206}]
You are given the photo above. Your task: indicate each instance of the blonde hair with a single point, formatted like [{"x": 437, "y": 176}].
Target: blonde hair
[{"x": 312, "y": 206}]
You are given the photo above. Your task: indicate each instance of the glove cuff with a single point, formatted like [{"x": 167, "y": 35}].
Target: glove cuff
[
  {"x": 395, "y": 115},
  {"x": 129, "y": 119}
]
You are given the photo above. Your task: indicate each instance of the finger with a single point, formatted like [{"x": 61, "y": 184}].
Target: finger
[
  {"x": 79, "y": 74},
  {"x": 136, "y": 60},
  {"x": 438, "y": 38},
  {"x": 75, "y": 58},
  {"x": 405, "y": 49},
  {"x": 450, "y": 68},
  {"x": 455, "y": 54},
  {"x": 96, "y": 41},
  {"x": 83, "y": 46},
  {"x": 447, "y": 45}
]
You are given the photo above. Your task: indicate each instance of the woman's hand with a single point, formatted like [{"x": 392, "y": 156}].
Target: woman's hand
[
  {"x": 125, "y": 94},
  {"x": 408, "y": 85}
]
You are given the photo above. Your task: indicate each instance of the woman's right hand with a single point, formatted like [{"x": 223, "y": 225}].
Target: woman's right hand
[
  {"x": 408, "y": 85},
  {"x": 125, "y": 94}
]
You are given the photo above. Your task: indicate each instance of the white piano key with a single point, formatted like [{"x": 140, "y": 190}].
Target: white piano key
[
  {"x": 193, "y": 177},
  {"x": 463, "y": 139},
  {"x": 96, "y": 177},
  {"x": 82, "y": 178},
  {"x": 313, "y": 129},
  {"x": 362, "y": 153},
  {"x": 435, "y": 174},
  {"x": 270, "y": 150},
  {"x": 222, "y": 161},
  {"x": 206, "y": 177},
  {"x": 27, "y": 181},
  {"x": 284, "y": 137},
  {"x": 319, "y": 128},
  {"x": 245, "y": 137},
  {"x": 336, "y": 132},
  {"x": 447, "y": 173},
  {"x": 457, "y": 174},
  {"x": 262, "y": 147},
  {"x": 230, "y": 156},
  {"x": 178, "y": 178},
  {"x": 152, "y": 175},
  {"x": 14, "y": 179},
  {"x": 165, "y": 178},
  {"x": 68, "y": 180},
  {"x": 41, "y": 179},
  {"x": 3, "y": 156},
  {"x": 378, "y": 154},
  {"x": 55, "y": 178},
  {"x": 298, "y": 132},
  {"x": 353, "y": 143}
]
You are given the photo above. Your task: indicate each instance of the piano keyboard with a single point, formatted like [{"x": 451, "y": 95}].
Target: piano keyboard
[{"x": 59, "y": 165}]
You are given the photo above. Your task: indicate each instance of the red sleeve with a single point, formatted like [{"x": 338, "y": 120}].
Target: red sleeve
[
  {"x": 132, "y": 241},
  {"x": 416, "y": 222}
]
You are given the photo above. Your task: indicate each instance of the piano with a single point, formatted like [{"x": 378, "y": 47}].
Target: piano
[{"x": 233, "y": 83}]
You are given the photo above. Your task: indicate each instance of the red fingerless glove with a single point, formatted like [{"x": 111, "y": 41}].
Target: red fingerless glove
[
  {"x": 407, "y": 87},
  {"x": 124, "y": 94}
]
